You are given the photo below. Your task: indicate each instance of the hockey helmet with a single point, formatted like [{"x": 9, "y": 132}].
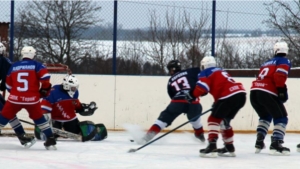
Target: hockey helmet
[
  {"x": 281, "y": 47},
  {"x": 28, "y": 52},
  {"x": 207, "y": 62},
  {"x": 174, "y": 65}
]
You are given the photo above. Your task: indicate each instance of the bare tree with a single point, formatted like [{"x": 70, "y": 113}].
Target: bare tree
[
  {"x": 197, "y": 38},
  {"x": 285, "y": 16},
  {"x": 176, "y": 36},
  {"x": 54, "y": 28}
]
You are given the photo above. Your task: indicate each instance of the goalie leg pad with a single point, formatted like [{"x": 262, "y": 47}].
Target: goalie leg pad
[
  {"x": 88, "y": 130},
  {"x": 101, "y": 132},
  {"x": 37, "y": 133}
]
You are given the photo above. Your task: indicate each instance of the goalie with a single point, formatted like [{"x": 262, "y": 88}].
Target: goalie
[{"x": 63, "y": 104}]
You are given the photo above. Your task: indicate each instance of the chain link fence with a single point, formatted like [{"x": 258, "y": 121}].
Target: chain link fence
[{"x": 149, "y": 33}]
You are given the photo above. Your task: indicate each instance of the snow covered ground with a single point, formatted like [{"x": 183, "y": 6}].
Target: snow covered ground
[{"x": 174, "y": 151}]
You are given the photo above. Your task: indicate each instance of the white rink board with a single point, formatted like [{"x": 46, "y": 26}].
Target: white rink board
[{"x": 140, "y": 99}]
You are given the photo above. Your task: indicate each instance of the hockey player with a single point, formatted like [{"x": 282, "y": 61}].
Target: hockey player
[
  {"x": 229, "y": 97},
  {"x": 5, "y": 64},
  {"x": 268, "y": 93},
  {"x": 63, "y": 104},
  {"x": 179, "y": 81},
  {"x": 23, "y": 82}
]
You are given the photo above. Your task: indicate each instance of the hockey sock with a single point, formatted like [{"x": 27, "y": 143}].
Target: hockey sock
[
  {"x": 157, "y": 127},
  {"x": 279, "y": 128},
  {"x": 197, "y": 123},
  {"x": 213, "y": 128},
  {"x": 198, "y": 131},
  {"x": 226, "y": 131},
  {"x": 43, "y": 124},
  {"x": 154, "y": 129},
  {"x": 227, "y": 135},
  {"x": 263, "y": 125},
  {"x": 3, "y": 121},
  {"x": 17, "y": 126}
]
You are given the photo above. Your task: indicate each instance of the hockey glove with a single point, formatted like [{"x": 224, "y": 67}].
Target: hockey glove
[
  {"x": 282, "y": 94},
  {"x": 44, "y": 92},
  {"x": 88, "y": 109},
  {"x": 188, "y": 96}
]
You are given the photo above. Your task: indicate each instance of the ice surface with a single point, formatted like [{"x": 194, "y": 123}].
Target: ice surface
[{"x": 174, "y": 151}]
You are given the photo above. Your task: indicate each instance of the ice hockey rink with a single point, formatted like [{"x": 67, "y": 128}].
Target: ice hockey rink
[{"x": 174, "y": 151}]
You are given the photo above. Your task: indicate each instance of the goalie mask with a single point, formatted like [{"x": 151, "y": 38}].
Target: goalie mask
[
  {"x": 207, "y": 62},
  {"x": 70, "y": 84}
]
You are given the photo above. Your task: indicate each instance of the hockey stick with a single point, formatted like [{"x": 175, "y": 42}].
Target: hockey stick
[
  {"x": 134, "y": 150},
  {"x": 59, "y": 132}
]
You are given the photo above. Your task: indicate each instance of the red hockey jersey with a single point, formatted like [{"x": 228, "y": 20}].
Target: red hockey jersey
[
  {"x": 272, "y": 74},
  {"x": 61, "y": 106},
  {"x": 218, "y": 83},
  {"x": 23, "y": 81}
]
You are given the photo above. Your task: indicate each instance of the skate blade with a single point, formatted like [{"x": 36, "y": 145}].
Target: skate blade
[
  {"x": 228, "y": 154},
  {"x": 298, "y": 150},
  {"x": 29, "y": 144},
  {"x": 277, "y": 153},
  {"x": 51, "y": 147},
  {"x": 140, "y": 141},
  {"x": 209, "y": 155},
  {"x": 257, "y": 150}
]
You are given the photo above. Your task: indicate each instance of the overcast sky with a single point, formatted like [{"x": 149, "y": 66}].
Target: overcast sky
[{"x": 135, "y": 14}]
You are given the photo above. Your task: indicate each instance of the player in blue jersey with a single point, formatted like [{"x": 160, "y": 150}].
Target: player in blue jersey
[
  {"x": 5, "y": 64},
  {"x": 63, "y": 104},
  {"x": 268, "y": 93},
  {"x": 180, "y": 81},
  {"x": 27, "y": 80}
]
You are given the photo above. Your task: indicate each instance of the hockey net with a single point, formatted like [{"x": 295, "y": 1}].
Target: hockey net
[{"x": 57, "y": 72}]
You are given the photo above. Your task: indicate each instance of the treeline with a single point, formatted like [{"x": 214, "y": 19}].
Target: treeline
[{"x": 67, "y": 32}]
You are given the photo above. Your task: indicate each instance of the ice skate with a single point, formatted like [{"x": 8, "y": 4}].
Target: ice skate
[
  {"x": 276, "y": 148},
  {"x": 227, "y": 151},
  {"x": 50, "y": 143},
  {"x": 298, "y": 147},
  {"x": 26, "y": 141},
  {"x": 210, "y": 151},
  {"x": 259, "y": 144},
  {"x": 201, "y": 137},
  {"x": 146, "y": 138}
]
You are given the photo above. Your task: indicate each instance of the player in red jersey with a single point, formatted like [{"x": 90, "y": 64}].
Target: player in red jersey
[
  {"x": 268, "y": 93},
  {"x": 229, "y": 97},
  {"x": 63, "y": 104},
  {"x": 23, "y": 82},
  {"x": 5, "y": 63}
]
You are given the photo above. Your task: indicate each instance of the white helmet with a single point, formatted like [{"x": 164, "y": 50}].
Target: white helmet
[
  {"x": 28, "y": 52},
  {"x": 281, "y": 47},
  {"x": 70, "y": 84},
  {"x": 2, "y": 48},
  {"x": 207, "y": 62}
]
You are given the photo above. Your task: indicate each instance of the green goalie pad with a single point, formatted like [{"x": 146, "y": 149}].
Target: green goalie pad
[
  {"x": 92, "y": 132},
  {"x": 37, "y": 132},
  {"x": 101, "y": 132}
]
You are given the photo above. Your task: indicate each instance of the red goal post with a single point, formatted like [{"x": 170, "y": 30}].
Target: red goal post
[
  {"x": 57, "y": 71},
  {"x": 57, "y": 68}
]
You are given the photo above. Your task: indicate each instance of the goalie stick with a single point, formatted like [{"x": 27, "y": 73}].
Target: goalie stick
[{"x": 59, "y": 132}]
